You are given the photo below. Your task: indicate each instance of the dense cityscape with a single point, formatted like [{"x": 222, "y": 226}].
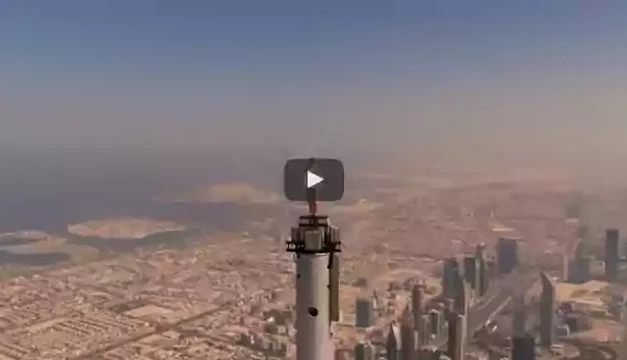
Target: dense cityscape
[{"x": 489, "y": 293}]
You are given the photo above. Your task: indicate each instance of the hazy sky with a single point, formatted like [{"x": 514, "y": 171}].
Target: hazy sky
[{"x": 542, "y": 74}]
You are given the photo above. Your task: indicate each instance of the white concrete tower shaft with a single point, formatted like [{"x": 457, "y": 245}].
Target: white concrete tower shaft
[
  {"x": 314, "y": 243},
  {"x": 313, "y": 333}
]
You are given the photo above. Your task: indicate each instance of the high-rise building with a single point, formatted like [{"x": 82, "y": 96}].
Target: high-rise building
[
  {"x": 447, "y": 305},
  {"x": 471, "y": 272},
  {"x": 507, "y": 255},
  {"x": 450, "y": 275},
  {"x": 364, "y": 313},
  {"x": 456, "y": 336},
  {"x": 408, "y": 338},
  {"x": 377, "y": 303},
  {"x": 446, "y": 309},
  {"x": 580, "y": 249},
  {"x": 585, "y": 266},
  {"x": 565, "y": 267},
  {"x": 492, "y": 272},
  {"x": 520, "y": 318},
  {"x": 364, "y": 351},
  {"x": 394, "y": 342},
  {"x": 611, "y": 254},
  {"x": 417, "y": 294},
  {"x": 454, "y": 288},
  {"x": 426, "y": 330},
  {"x": 579, "y": 271},
  {"x": 435, "y": 320},
  {"x": 547, "y": 311},
  {"x": 483, "y": 270},
  {"x": 462, "y": 296},
  {"x": 523, "y": 347}
]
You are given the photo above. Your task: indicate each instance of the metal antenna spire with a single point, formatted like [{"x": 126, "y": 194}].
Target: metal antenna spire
[{"x": 311, "y": 192}]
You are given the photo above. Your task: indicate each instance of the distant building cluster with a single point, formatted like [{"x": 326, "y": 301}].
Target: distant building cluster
[
  {"x": 582, "y": 267},
  {"x": 442, "y": 328},
  {"x": 438, "y": 329}
]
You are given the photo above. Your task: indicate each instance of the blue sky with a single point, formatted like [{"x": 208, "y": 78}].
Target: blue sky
[{"x": 364, "y": 73}]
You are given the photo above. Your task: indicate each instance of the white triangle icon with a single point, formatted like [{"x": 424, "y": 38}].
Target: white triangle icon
[{"x": 313, "y": 179}]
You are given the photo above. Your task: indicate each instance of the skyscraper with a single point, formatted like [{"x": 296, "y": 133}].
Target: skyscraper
[
  {"x": 456, "y": 336},
  {"x": 462, "y": 295},
  {"x": 394, "y": 342},
  {"x": 547, "y": 311},
  {"x": 417, "y": 293},
  {"x": 520, "y": 318},
  {"x": 523, "y": 347},
  {"x": 482, "y": 267},
  {"x": 579, "y": 271},
  {"x": 436, "y": 322},
  {"x": 565, "y": 267},
  {"x": 507, "y": 255},
  {"x": 493, "y": 271},
  {"x": 448, "y": 306},
  {"x": 611, "y": 254},
  {"x": 425, "y": 331},
  {"x": 580, "y": 248},
  {"x": 450, "y": 276},
  {"x": 364, "y": 312},
  {"x": 408, "y": 337},
  {"x": 471, "y": 272}
]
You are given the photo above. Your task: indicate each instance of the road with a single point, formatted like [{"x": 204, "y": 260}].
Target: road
[
  {"x": 593, "y": 351},
  {"x": 142, "y": 335},
  {"x": 496, "y": 300}
]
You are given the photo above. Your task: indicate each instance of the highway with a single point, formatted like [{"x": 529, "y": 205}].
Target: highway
[
  {"x": 593, "y": 351},
  {"x": 497, "y": 298},
  {"x": 149, "y": 332},
  {"x": 494, "y": 301}
]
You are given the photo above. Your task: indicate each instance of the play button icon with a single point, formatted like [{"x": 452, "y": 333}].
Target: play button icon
[
  {"x": 325, "y": 176},
  {"x": 313, "y": 179}
]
